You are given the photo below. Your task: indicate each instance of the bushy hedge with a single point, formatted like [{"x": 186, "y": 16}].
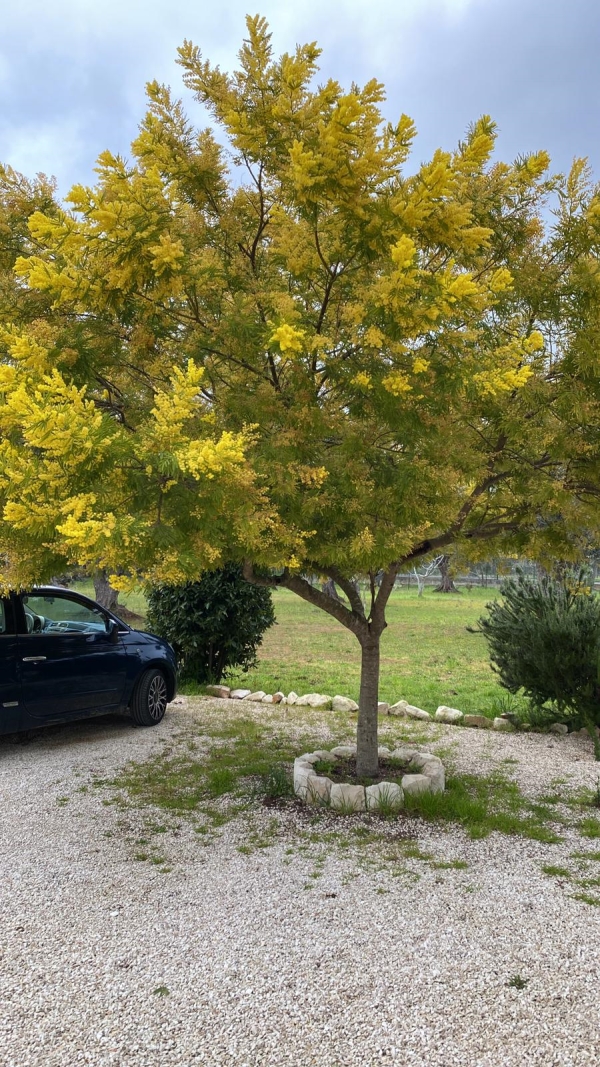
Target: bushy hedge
[
  {"x": 544, "y": 638},
  {"x": 214, "y": 624}
]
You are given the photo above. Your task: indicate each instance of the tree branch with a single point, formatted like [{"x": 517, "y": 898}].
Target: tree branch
[
  {"x": 349, "y": 589},
  {"x": 383, "y": 595},
  {"x": 318, "y": 599}
]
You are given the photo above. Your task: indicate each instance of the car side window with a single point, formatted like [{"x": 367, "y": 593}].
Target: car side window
[{"x": 60, "y": 614}]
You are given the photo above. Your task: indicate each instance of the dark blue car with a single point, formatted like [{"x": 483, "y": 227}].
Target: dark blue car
[{"x": 64, "y": 657}]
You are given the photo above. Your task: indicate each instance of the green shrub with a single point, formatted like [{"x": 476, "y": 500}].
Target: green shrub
[
  {"x": 214, "y": 624},
  {"x": 544, "y": 638}
]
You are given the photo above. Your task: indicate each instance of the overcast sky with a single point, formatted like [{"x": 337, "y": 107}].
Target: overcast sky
[{"x": 72, "y": 72}]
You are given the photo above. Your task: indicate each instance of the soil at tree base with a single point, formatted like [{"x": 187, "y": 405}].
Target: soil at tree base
[{"x": 344, "y": 770}]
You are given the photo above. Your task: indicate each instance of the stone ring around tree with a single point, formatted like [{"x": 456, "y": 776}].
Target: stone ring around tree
[{"x": 317, "y": 774}]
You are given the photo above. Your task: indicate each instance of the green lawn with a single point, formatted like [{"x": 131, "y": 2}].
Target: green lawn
[{"x": 428, "y": 658}]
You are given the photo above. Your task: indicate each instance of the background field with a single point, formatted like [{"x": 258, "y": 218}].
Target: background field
[{"x": 428, "y": 656}]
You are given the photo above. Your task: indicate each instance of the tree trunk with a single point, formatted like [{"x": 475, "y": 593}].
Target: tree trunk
[
  {"x": 367, "y": 759},
  {"x": 106, "y": 596},
  {"x": 447, "y": 583}
]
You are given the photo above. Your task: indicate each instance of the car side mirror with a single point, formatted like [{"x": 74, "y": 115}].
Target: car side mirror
[{"x": 112, "y": 631}]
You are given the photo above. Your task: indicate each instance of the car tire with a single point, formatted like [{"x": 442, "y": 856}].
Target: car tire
[{"x": 149, "y": 700}]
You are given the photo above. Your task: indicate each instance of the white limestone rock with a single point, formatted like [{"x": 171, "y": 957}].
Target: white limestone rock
[
  {"x": 386, "y": 795},
  {"x": 432, "y": 767},
  {"x": 292, "y": 698},
  {"x": 314, "y": 700},
  {"x": 303, "y": 770},
  {"x": 318, "y": 789},
  {"x": 222, "y": 691},
  {"x": 419, "y": 759},
  {"x": 399, "y": 708},
  {"x": 383, "y": 752},
  {"x": 347, "y": 798},
  {"x": 343, "y": 704},
  {"x": 480, "y": 722},
  {"x": 414, "y": 784},
  {"x": 416, "y": 713},
  {"x": 268, "y": 699},
  {"x": 239, "y": 694},
  {"x": 449, "y": 715},
  {"x": 403, "y": 755},
  {"x": 344, "y": 751},
  {"x": 559, "y": 728},
  {"x": 434, "y": 770},
  {"x": 257, "y": 696},
  {"x": 502, "y": 724},
  {"x": 383, "y": 708}
]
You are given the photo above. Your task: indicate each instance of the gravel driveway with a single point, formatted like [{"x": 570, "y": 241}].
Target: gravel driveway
[{"x": 275, "y": 957}]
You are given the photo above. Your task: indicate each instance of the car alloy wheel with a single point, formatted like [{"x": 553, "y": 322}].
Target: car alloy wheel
[{"x": 157, "y": 697}]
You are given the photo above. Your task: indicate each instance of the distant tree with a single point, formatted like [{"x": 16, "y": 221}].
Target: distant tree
[
  {"x": 104, "y": 592},
  {"x": 447, "y": 578}
]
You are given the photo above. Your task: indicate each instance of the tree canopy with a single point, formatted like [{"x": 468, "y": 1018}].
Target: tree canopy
[{"x": 272, "y": 343}]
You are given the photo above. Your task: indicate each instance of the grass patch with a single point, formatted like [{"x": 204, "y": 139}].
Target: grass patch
[
  {"x": 587, "y": 899},
  {"x": 188, "y": 780},
  {"x": 484, "y": 804},
  {"x": 556, "y": 872},
  {"x": 427, "y": 655},
  {"x": 590, "y": 827}
]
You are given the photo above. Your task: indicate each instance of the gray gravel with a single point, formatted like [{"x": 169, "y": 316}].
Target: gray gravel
[{"x": 361, "y": 968}]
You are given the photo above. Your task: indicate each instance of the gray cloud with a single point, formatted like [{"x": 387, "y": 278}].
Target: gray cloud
[{"x": 72, "y": 73}]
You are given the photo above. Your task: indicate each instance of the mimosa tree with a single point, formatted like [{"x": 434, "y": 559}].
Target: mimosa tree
[{"x": 292, "y": 353}]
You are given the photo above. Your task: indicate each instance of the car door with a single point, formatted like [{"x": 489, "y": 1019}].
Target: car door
[
  {"x": 10, "y": 689},
  {"x": 70, "y": 661}
]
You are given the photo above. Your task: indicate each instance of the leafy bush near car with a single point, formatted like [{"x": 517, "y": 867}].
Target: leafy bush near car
[
  {"x": 214, "y": 624},
  {"x": 544, "y": 638}
]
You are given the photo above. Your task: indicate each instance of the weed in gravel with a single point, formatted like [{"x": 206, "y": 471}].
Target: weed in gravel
[
  {"x": 556, "y": 872},
  {"x": 243, "y": 751},
  {"x": 411, "y": 850},
  {"x": 517, "y": 982},
  {"x": 276, "y": 782},
  {"x": 219, "y": 781},
  {"x": 588, "y": 883},
  {"x": 484, "y": 804},
  {"x": 161, "y": 991},
  {"x": 586, "y": 898},
  {"x": 590, "y": 827},
  {"x": 595, "y": 856}
]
